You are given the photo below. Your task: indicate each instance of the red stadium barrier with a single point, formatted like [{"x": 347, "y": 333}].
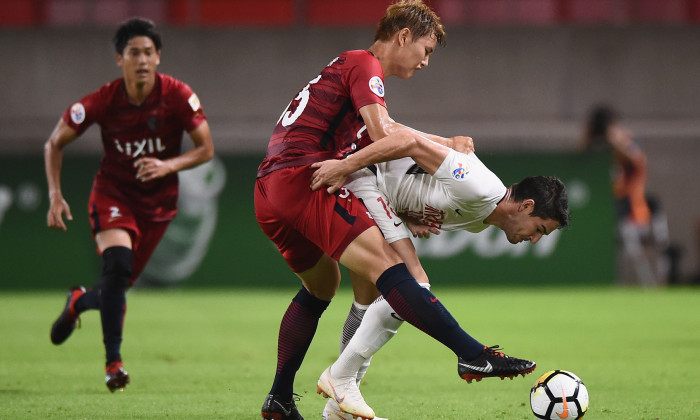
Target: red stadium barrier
[
  {"x": 233, "y": 12},
  {"x": 277, "y": 13},
  {"x": 21, "y": 13},
  {"x": 345, "y": 13}
]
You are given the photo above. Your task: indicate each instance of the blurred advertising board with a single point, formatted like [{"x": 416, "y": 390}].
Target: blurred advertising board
[{"x": 216, "y": 242}]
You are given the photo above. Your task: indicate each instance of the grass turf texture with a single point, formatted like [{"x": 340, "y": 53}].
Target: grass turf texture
[{"x": 211, "y": 355}]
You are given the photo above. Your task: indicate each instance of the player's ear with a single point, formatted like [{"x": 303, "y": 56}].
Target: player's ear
[
  {"x": 119, "y": 59},
  {"x": 527, "y": 205},
  {"x": 404, "y": 35},
  {"x": 158, "y": 58}
]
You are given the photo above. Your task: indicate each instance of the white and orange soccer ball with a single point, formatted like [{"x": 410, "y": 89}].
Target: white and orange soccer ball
[{"x": 559, "y": 395}]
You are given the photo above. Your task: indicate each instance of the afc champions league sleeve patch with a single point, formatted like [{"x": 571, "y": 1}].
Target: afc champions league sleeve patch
[
  {"x": 194, "y": 102},
  {"x": 77, "y": 113},
  {"x": 376, "y": 85},
  {"x": 460, "y": 172}
]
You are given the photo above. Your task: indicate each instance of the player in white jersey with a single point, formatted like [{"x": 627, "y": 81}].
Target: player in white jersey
[
  {"x": 460, "y": 195},
  {"x": 455, "y": 191}
]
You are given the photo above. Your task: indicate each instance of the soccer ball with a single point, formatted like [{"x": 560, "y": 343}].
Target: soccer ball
[{"x": 559, "y": 394}]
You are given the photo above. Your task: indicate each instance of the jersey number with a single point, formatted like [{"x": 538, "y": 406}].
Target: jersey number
[
  {"x": 114, "y": 212},
  {"x": 288, "y": 117},
  {"x": 387, "y": 208}
]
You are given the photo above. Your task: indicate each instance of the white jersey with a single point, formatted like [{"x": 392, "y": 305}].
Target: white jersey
[{"x": 459, "y": 196}]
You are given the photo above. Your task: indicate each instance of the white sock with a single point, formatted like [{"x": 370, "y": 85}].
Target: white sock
[
  {"x": 377, "y": 328},
  {"x": 352, "y": 323}
]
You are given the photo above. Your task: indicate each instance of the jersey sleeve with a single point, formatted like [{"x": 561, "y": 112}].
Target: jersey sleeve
[
  {"x": 365, "y": 80},
  {"x": 468, "y": 180},
  {"x": 88, "y": 110},
  {"x": 189, "y": 108}
]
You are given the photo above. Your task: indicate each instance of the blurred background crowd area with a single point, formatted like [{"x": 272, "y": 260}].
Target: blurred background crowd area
[
  {"x": 520, "y": 76},
  {"x": 217, "y": 13}
]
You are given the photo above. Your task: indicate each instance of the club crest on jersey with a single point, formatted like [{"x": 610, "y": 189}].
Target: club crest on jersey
[
  {"x": 152, "y": 123},
  {"x": 77, "y": 113},
  {"x": 460, "y": 172},
  {"x": 377, "y": 86}
]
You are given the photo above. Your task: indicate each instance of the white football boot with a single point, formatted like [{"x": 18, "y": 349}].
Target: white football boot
[
  {"x": 346, "y": 393},
  {"x": 333, "y": 412}
]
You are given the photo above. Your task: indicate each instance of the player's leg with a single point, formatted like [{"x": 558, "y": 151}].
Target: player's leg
[
  {"x": 371, "y": 257},
  {"x": 422, "y": 309},
  {"x": 281, "y": 203},
  {"x": 117, "y": 265},
  {"x": 382, "y": 321},
  {"x": 379, "y": 324},
  {"x": 364, "y": 291},
  {"x": 364, "y": 294},
  {"x": 296, "y": 332},
  {"x": 364, "y": 185},
  {"x": 81, "y": 300}
]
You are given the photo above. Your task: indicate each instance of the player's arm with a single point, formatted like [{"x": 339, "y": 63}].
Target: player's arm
[
  {"x": 151, "y": 168},
  {"x": 53, "y": 160},
  {"x": 623, "y": 144},
  {"x": 402, "y": 143},
  {"x": 462, "y": 144},
  {"x": 379, "y": 125}
]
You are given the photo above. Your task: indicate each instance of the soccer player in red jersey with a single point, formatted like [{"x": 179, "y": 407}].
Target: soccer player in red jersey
[
  {"x": 142, "y": 118},
  {"x": 340, "y": 111}
]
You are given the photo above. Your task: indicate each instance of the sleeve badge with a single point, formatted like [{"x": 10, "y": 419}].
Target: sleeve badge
[
  {"x": 77, "y": 113},
  {"x": 376, "y": 85},
  {"x": 194, "y": 102}
]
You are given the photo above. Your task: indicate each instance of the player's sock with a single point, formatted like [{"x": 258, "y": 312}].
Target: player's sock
[
  {"x": 352, "y": 323},
  {"x": 296, "y": 332},
  {"x": 116, "y": 273},
  {"x": 379, "y": 325},
  {"x": 90, "y": 299},
  {"x": 423, "y": 310}
]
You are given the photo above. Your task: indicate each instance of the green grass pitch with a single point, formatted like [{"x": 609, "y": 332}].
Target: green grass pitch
[{"x": 211, "y": 355}]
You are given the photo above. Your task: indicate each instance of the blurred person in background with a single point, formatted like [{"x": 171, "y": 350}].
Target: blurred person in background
[
  {"x": 142, "y": 118},
  {"x": 642, "y": 223},
  {"x": 696, "y": 278}
]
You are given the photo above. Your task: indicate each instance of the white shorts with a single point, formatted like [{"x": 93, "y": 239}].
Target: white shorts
[{"x": 363, "y": 184}]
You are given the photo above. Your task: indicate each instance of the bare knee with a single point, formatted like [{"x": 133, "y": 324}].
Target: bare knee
[
  {"x": 369, "y": 255},
  {"x": 323, "y": 279},
  {"x": 365, "y": 291}
]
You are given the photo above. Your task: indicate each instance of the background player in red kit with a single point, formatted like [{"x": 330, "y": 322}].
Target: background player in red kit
[
  {"x": 339, "y": 111},
  {"x": 142, "y": 117}
]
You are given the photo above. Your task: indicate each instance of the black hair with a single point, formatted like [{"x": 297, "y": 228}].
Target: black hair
[
  {"x": 600, "y": 118},
  {"x": 135, "y": 27},
  {"x": 549, "y": 195}
]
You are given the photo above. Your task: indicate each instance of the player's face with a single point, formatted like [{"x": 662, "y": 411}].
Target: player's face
[
  {"x": 523, "y": 227},
  {"x": 139, "y": 60},
  {"x": 415, "y": 54}
]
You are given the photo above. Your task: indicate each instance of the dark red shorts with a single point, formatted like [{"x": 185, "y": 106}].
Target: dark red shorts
[
  {"x": 107, "y": 212},
  {"x": 305, "y": 224}
]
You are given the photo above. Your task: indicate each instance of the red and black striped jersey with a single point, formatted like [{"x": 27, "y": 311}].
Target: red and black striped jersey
[{"x": 323, "y": 120}]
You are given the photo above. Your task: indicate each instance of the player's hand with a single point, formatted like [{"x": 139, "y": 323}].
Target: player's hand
[
  {"x": 57, "y": 208},
  {"x": 418, "y": 229},
  {"x": 463, "y": 144},
  {"x": 151, "y": 168},
  {"x": 328, "y": 173}
]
